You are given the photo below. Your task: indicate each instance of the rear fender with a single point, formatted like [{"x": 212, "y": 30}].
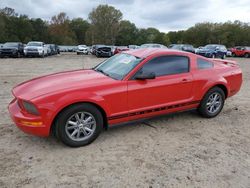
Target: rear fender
[{"x": 222, "y": 81}]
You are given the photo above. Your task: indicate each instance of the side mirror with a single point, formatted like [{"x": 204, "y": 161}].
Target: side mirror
[{"x": 145, "y": 76}]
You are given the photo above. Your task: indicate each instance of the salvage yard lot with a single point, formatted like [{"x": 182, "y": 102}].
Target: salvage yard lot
[{"x": 178, "y": 150}]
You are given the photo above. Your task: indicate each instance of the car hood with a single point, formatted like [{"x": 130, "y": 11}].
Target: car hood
[
  {"x": 60, "y": 82},
  {"x": 27, "y": 47}
]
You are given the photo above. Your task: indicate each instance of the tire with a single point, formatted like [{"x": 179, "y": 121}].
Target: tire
[
  {"x": 246, "y": 55},
  {"x": 18, "y": 55},
  {"x": 75, "y": 134},
  {"x": 42, "y": 56},
  {"x": 204, "y": 108},
  {"x": 223, "y": 56},
  {"x": 233, "y": 55},
  {"x": 77, "y": 53}
]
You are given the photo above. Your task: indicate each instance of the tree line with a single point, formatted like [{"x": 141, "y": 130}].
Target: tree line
[{"x": 105, "y": 25}]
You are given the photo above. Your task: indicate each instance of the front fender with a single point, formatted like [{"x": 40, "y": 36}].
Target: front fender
[{"x": 52, "y": 105}]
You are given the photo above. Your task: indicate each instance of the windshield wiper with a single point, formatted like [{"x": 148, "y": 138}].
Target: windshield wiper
[{"x": 101, "y": 71}]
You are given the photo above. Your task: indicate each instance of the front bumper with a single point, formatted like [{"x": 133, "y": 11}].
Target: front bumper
[
  {"x": 82, "y": 51},
  {"x": 8, "y": 53},
  {"x": 33, "y": 53},
  {"x": 28, "y": 123}
]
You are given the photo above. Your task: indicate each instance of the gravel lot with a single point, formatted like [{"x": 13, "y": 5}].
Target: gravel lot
[{"x": 181, "y": 150}]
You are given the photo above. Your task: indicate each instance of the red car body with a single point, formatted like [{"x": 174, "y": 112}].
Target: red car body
[
  {"x": 241, "y": 51},
  {"x": 121, "y": 100}
]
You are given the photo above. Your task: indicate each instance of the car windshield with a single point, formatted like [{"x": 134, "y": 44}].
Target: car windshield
[
  {"x": 118, "y": 66},
  {"x": 10, "y": 44},
  {"x": 210, "y": 47},
  {"x": 177, "y": 47},
  {"x": 34, "y": 44}
]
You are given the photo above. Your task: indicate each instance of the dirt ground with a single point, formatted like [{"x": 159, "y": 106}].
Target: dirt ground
[{"x": 181, "y": 150}]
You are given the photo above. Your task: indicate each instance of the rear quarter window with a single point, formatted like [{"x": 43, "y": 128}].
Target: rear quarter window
[{"x": 204, "y": 64}]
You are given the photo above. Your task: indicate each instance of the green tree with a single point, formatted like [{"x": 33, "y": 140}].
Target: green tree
[
  {"x": 150, "y": 35},
  {"x": 60, "y": 30},
  {"x": 40, "y": 30},
  {"x": 127, "y": 33},
  {"x": 104, "y": 21},
  {"x": 79, "y": 27}
]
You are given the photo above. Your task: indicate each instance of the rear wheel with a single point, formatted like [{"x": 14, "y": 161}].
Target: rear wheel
[
  {"x": 246, "y": 55},
  {"x": 79, "y": 125},
  {"x": 212, "y": 103}
]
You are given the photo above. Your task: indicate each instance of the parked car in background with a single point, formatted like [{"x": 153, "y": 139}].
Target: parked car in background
[
  {"x": 12, "y": 49},
  {"x": 57, "y": 49},
  {"x": 183, "y": 47},
  {"x": 35, "y": 48},
  {"x": 241, "y": 51},
  {"x": 1, "y": 45},
  {"x": 82, "y": 49},
  {"x": 133, "y": 46},
  {"x": 53, "y": 49},
  {"x": 120, "y": 49},
  {"x": 198, "y": 49},
  {"x": 132, "y": 85},
  {"x": 94, "y": 47},
  {"x": 62, "y": 48},
  {"x": 213, "y": 51},
  {"x": 103, "y": 51},
  {"x": 152, "y": 45},
  {"x": 48, "y": 47},
  {"x": 229, "y": 53}
]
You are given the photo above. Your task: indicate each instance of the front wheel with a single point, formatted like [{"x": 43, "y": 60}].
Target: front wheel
[
  {"x": 42, "y": 56},
  {"x": 79, "y": 125},
  {"x": 212, "y": 103}
]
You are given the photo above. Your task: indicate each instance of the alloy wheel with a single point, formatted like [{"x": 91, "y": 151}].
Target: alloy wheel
[
  {"x": 80, "y": 126},
  {"x": 214, "y": 103}
]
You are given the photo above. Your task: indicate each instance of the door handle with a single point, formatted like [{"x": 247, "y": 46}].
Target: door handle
[{"x": 185, "y": 80}]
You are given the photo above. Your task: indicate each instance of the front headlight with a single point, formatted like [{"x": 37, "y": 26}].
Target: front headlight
[{"x": 28, "y": 107}]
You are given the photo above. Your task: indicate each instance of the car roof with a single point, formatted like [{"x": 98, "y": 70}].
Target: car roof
[{"x": 145, "y": 52}]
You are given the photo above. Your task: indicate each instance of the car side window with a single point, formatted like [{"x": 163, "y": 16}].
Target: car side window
[
  {"x": 204, "y": 64},
  {"x": 166, "y": 65}
]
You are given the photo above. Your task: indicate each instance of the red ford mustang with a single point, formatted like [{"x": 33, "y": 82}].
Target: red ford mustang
[{"x": 77, "y": 105}]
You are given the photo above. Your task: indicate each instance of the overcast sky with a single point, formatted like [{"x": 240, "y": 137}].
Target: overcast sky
[{"x": 166, "y": 15}]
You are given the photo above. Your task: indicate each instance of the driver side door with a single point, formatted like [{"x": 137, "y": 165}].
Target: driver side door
[{"x": 172, "y": 85}]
